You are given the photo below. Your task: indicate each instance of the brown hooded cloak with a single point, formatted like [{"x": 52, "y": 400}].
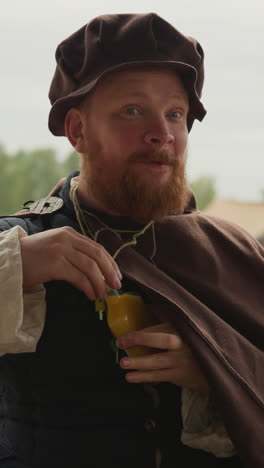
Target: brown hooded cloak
[{"x": 208, "y": 281}]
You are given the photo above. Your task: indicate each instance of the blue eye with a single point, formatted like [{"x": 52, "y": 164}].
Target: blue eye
[
  {"x": 132, "y": 111},
  {"x": 175, "y": 114}
]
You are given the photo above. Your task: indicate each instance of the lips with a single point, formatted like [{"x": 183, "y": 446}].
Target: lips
[
  {"x": 160, "y": 163},
  {"x": 158, "y": 158},
  {"x": 155, "y": 163}
]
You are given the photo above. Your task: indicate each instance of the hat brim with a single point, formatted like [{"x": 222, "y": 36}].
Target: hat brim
[{"x": 187, "y": 72}]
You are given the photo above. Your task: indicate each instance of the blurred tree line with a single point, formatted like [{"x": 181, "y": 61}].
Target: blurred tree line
[{"x": 30, "y": 175}]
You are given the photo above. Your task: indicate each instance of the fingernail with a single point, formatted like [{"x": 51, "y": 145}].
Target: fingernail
[
  {"x": 119, "y": 274},
  {"x": 118, "y": 284},
  {"x": 125, "y": 362},
  {"x": 119, "y": 343}
]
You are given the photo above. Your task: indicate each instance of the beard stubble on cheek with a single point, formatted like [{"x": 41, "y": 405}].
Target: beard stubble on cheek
[{"x": 123, "y": 192}]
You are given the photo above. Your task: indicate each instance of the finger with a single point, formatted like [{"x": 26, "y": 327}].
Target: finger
[
  {"x": 165, "y": 327},
  {"x": 66, "y": 240},
  {"x": 66, "y": 237},
  {"x": 169, "y": 341},
  {"x": 162, "y": 375},
  {"x": 112, "y": 262},
  {"x": 87, "y": 243},
  {"x": 89, "y": 268},
  {"x": 103, "y": 259},
  {"x": 79, "y": 280},
  {"x": 196, "y": 381},
  {"x": 154, "y": 361}
]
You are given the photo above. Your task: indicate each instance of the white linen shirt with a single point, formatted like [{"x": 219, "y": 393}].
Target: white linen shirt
[{"x": 22, "y": 315}]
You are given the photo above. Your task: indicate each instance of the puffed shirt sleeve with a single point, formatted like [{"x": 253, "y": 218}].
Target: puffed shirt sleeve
[
  {"x": 22, "y": 315},
  {"x": 203, "y": 427}
]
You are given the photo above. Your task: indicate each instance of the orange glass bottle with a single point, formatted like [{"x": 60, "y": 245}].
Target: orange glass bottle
[{"x": 127, "y": 312}]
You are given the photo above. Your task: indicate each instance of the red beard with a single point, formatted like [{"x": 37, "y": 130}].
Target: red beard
[{"x": 126, "y": 194}]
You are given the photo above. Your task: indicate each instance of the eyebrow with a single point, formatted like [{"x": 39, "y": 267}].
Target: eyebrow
[{"x": 128, "y": 94}]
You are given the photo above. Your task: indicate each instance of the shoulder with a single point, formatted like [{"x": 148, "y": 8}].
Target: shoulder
[
  {"x": 43, "y": 214},
  {"x": 30, "y": 223},
  {"x": 228, "y": 232},
  {"x": 207, "y": 230}
]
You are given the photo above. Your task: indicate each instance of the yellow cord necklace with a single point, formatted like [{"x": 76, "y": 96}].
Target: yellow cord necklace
[{"x": 80, "y": 214}]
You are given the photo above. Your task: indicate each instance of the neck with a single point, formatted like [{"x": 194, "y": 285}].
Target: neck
[
  {"x": 86, "y": 198},
  {"x": 85, "y": 228}
]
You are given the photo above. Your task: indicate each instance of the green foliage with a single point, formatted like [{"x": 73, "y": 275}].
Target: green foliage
[
  {"x": 5, "y": 177},
  {"x": 30, "y": 175},
  {"x": 204, "y": 190}
]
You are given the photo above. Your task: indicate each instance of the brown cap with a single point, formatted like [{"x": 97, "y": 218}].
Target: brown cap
[{"x": 110, "y": 42}]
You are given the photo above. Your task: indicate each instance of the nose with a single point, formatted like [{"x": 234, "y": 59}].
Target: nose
[{"x": 159, "y": 135}]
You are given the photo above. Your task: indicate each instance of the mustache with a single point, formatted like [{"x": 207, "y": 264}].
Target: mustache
[{"x": 156, "y": 156}]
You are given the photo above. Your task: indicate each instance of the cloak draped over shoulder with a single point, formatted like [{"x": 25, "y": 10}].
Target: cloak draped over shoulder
[{"x": 208, "y": 281}]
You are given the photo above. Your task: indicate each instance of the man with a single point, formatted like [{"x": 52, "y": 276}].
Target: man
[{"x": 125, "y": 92}]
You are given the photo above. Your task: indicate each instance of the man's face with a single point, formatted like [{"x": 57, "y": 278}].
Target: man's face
[{"x": 135, "y": 136}]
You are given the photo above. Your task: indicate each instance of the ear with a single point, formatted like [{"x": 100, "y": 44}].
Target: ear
[{"x": 74, "y": 129}]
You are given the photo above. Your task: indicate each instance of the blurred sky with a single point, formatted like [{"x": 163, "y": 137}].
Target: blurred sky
[{"x": 229, "y": 144}]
